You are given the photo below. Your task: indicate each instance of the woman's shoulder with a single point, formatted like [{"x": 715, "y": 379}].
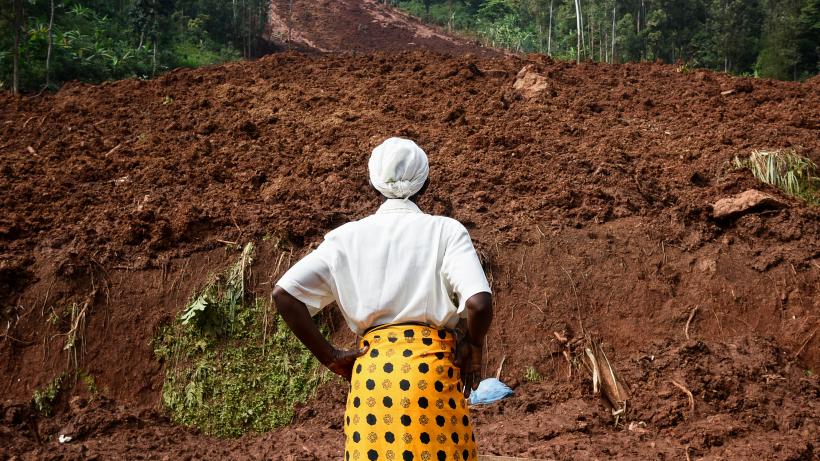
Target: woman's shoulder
[{"x": 451, "y": 224}]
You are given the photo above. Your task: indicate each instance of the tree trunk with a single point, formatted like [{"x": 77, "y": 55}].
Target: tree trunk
[
  {"x": 290, "y": 20},
  {"x": 451, "y": 16},
  {"x": 247, "y": 9},
  {"x": 154, "y": 59},
  {"x": 549, "y": 33},
  {"x": 50, "y": 44},
  {"x": 591, "y": 39},
  {"x": 237, "y": 31},
  {"x": 17, "y": 6},
  {"x": 612, "y": 53},
  {"x": 578, "y": 31},
  {"x": 583, "y": 34}
]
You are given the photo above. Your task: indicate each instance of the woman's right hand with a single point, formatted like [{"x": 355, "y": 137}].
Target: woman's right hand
[
  {"x": 342, "y": 361},
  {"x": 469, "y": 359}
]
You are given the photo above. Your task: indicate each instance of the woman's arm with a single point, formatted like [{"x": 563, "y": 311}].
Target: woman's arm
[
  {"x": 296, "y": 315},
  {"x": 470, "y": 353}
]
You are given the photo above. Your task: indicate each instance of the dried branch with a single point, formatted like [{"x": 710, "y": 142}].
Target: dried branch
[
  {"x": 688, "y": 395},
  {"x": 691, "y": 316}
]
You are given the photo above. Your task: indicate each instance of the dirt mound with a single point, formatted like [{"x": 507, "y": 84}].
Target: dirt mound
[
  {"x": 365, "y": 26},
  {"x": 590, "y": 197}
]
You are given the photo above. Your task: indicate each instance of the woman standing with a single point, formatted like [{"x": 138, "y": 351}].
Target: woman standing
[{"x": 403, "y": 279}]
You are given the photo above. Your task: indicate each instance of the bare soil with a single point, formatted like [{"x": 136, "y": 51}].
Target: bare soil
[
  {"x": 359, "y": 26},
  {"x": 590, "y": 201}
]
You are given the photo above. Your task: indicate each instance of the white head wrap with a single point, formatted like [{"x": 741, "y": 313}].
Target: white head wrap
[{"x": 398, "y": 168}]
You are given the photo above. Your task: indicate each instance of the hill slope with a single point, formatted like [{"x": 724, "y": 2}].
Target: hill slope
[
  {"x": 592, "y": 198},
  {"x": 364, "y": 26}
]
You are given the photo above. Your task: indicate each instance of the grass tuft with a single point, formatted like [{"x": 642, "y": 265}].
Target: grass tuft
[
  {"x": 790, "y": 172},
  {"x": 231, "y": 367},
  {"x": 532, "y": 375}
]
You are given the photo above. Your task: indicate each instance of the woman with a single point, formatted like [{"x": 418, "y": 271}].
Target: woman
[{"x": 395, "y": 276}]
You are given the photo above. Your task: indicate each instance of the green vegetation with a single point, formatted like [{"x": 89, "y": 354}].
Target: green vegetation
[
  {"x": 90, "y": 383},
  {"x": 232, "y": 365},
  {"x": 46, "y": 42},
  {"x": 532, "y": 375},
  {"x": 43, "y": 400},
  {"x": 767, "y": 38},
  {"x": 790, "y": 172}
]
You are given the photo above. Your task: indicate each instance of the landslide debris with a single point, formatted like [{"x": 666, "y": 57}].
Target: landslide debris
[{"x": 594, "y": 196}]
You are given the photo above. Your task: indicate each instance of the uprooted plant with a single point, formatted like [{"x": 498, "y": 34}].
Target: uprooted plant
[
  {"x": 588, "y": 353},
  {"x": 785, "y": 169},
  {"x": 74, "y": 337},
  {"x": 232, "y": 366}
]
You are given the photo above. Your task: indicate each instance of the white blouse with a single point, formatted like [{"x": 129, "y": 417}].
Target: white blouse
[{"x": 397, "y": 265}]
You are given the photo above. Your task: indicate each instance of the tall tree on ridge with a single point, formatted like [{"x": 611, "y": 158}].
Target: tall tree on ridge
[
  {"x": 50, "y": 42},
  {"x": 578, "y": 31}
]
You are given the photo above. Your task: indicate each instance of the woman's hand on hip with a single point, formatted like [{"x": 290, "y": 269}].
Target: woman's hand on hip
[
  {"x": 469, "y": 358},
  {"x": 342, "y": 361}
]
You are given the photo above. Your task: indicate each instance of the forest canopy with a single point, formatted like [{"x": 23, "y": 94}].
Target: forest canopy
[
  {"x": 52, "y": 41},
  {"x": 766, "y": 38}
]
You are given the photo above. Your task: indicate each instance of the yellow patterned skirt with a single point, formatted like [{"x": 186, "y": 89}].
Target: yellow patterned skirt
[{"x": 406, "y": 401}]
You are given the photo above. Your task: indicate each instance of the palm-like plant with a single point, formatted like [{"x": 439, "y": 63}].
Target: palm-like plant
[{"x": 790, "y": 172}]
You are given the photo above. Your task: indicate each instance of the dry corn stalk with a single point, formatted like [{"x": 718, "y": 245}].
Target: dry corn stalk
[{"x": 605, "y": 379}]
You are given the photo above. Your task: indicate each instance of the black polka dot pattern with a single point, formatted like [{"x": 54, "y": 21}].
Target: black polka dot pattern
[{"x": 405, "y": 401}]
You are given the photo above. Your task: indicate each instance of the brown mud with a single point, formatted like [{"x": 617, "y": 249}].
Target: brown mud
[
  {"x": 359, "y": 26},
  {"x": 591, "y": 199}
]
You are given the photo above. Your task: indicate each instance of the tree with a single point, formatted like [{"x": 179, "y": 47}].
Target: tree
[
  {"x": 730, "y": 38},
  {"x": 579, "y": 28},
  {"x": 808, "y": 37},
  {"x": 779, "y": 54},
  {"x": 17, "y": 25},
  {"x": 549, "y": 36},
  {"x": 50, "y": 42},
  {"x": 630, "y": 44}
]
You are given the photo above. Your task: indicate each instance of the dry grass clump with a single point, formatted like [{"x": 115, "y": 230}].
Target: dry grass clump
[{"x": 785, "y": 169}]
